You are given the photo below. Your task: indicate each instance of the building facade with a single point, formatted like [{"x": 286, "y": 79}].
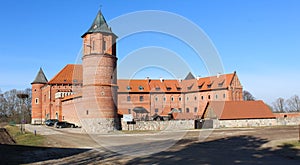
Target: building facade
[{"x": 91, "y": 93}]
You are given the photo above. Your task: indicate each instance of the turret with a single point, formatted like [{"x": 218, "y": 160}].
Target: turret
[
  {"x": 99, "y": 63},
  {"x": 36, "y": 102}
]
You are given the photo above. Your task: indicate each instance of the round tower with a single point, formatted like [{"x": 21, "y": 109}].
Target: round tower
[
  {"x": 36, "y": 101},
  {"x": 99, "y": 90}
]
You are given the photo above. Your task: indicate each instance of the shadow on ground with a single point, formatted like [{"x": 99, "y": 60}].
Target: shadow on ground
[{"x": 231, "y": 150}]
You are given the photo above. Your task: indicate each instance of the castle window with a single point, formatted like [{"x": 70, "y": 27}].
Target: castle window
[
  {"x": 216, "y": 96},
  {"x": 220, "y": 84},
  {"x": 169, "y": 88},
  {"x": 195, "y": 109},
  {"x": 156, "y": 110},
  {"x": 128, "y": 98},
  {"x": 187, "y": 98},
  {"x": 157, "y": 88},
  {"x": 141, "y": 88},
  {"x": 172, "y": 98},
  {"x": 179, "y": 98},
  {"x": 87, "y": 112},
  {"x": 180, "y": 110},
  {"x": 208, "y": 96},
  {"x": 128, "y": 87},
  {"x": 141, "y": 98},
  {"x": 209, "y": 84},
  {"x": 200, "y": 85},
  {"x": 156, "y": 98},
  {"x": 195, "y": 98},
  {"x": 224, "y": 95},
  {"x": 93, "y": 45},
  {"x": 129, "y": 111},
  {"x": 187, "y": 110},
  {"x": 165, "y": 98},
  {"x": 36, "y": 100},
  {"x": 104, "y": 45},
  {"x": 202, "y": 98}
]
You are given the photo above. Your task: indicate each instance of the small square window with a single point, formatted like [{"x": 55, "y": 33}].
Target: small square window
[
  {"x": 141, "y": 98},
  {"x": 128, "y": 98}
]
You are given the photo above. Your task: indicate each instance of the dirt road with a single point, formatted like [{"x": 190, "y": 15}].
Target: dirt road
[{"x": 223, "y": 146}]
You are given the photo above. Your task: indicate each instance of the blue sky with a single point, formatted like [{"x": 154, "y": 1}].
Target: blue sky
[{"x": 259, "y": 38}]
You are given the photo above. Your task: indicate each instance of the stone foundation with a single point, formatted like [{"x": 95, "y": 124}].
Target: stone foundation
[
  {"x": 100, "y": 125},
  {"x": 159, "y": 125}
]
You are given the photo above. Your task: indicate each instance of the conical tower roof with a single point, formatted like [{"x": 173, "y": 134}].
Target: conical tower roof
[
  {"x": 99, "y": 25},
  {"x": 40, "y": 78},
  {"x": 189, "y": 76}
]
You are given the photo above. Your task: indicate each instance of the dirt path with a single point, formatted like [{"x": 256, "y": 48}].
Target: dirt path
[{"x": 223, "y": 146}]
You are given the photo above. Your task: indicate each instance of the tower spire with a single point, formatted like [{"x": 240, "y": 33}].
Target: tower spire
[{"x": 99, "y": 25}]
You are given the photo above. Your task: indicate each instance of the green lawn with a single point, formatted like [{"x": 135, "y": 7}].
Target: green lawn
[{"x": 27, "y": 138}]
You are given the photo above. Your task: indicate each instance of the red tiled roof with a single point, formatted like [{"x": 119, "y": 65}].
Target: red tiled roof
[
  {"x": 183, "y": 116},
  {"x": 226, "y": 110},
  {"x": 70, "y": 74}
]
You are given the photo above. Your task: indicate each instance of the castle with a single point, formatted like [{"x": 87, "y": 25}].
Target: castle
[{"x": 90, "y": 94}]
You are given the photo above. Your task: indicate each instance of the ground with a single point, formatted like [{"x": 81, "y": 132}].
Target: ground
[{"x": 219, "y": 146}]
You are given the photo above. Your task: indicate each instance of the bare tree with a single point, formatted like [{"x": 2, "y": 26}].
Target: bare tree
[
  {"x": 11, "y": 108},
  {"x": 247, "y": 96},
  {"x": 279, "y": 105},
  {"x": 294, "y": 103}
]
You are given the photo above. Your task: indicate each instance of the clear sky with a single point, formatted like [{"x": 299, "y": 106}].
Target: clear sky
[{"x": 260, "y": 39}]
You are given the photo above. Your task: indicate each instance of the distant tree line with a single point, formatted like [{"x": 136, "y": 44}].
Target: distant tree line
[
  {"x": 13, "y": 109},
  {"x": 289, "y": 105}
]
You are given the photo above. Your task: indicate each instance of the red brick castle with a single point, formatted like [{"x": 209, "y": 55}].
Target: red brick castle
[{"x": 91, "y": 95}]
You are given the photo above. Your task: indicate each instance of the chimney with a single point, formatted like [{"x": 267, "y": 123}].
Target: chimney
[
  {"x": 148, "y": 79},
  {"x": 218, "y": 75},
  {"x": 161, "y": 79},
  {"x": 198, "y": 77}
]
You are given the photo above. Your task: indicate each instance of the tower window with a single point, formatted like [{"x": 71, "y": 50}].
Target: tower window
[
  {"x": 36, "y": 100},
  {"x": 128, "y": 98},
  {"x": 104, "y": 45}
]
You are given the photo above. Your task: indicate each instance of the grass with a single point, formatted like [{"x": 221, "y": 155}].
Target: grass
[
  {"x": 293, "y": 144},
  {"x": 27, "y": 138}
]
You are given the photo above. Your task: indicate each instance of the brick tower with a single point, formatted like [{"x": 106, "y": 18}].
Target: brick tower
[
  {"x": 36, "y": 102},
  {"x": 99, "y": 90}
]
